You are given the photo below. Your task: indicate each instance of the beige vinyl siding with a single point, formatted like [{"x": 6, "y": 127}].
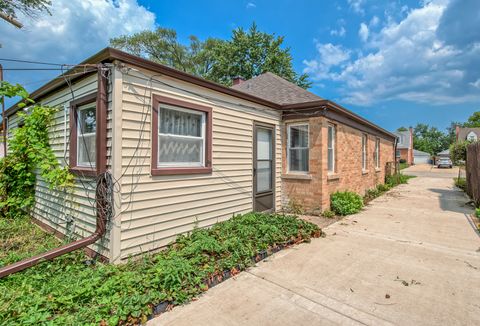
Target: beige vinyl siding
[
  {"x": 56, "y": 208},
  {"x": 157, "y": 208}
]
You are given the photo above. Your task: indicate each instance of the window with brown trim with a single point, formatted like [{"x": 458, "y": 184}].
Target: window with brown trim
[
  {"x": 83, "y": 135},
  {"x": 181, "y": 137}
]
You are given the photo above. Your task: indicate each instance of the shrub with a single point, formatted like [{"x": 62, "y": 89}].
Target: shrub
[
  {"x": 328, "y": 213},
  {"x": 460, "y": 183},
  {"x": 383, "y": 187},
  {"x": 402, "y": 160},
  {"x": 346, "y": 202},
  {"x": 477, "y": 212}
]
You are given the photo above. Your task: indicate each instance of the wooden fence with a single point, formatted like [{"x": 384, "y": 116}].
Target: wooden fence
[{"x": 473, "y": 172}]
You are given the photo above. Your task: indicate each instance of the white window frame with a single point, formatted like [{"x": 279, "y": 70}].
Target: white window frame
[
  {"x": 364, "y": 152},
  {"x": 332, "y": 147},
  {"x": 81, "y": 134},
  {"x": 203, "y": 115},
  {"x": 289, "y": 126},
  {"x": 377, "y": 153}
]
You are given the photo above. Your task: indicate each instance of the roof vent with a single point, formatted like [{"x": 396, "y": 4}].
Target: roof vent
[{"x": 237, "y": 80}]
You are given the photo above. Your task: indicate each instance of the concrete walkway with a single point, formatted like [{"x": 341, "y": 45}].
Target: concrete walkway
[{"x": 410, "y": 258}]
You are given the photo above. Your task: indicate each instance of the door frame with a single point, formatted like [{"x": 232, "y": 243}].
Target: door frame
[{"x": 272, "y": 127}]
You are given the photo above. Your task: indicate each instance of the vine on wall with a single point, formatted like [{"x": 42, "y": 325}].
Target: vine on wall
[{"x": 29, "y": 153}]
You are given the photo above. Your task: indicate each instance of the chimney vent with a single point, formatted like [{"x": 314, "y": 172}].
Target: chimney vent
[{"x": 237, "y": 80}]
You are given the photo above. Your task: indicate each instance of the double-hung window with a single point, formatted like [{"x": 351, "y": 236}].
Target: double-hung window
[
  {"x": 364, "y": 152},
  {"x": 182, "y": 137},
  {"x": 86, "y": 135},
  {"x": 297, "y": 150},
  {"x": 331, "y": 148},
  {"x": 377, "y": 153}
]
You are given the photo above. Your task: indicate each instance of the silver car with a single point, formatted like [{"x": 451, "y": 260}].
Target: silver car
[{"x": 444, "y": 162}]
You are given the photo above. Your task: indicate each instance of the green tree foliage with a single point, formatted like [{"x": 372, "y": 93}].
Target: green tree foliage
[
  {"x": 27, "y": 7},
  {"x": 473, "y": 121},
  {"x": 247, "y": 54},
  {"x": 429, "y": 139},
  {"x": 29, "y": 153},
  {"x": 458, "y": 152},
  {"x": 402, "y": 129}
]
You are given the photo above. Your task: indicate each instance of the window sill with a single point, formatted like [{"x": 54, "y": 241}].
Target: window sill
[
  {"x": 333, "y": 176},
  {"x": 364, "y": 172},
  {"x": 180, "y": 171},
  {"x": 298, "y": 176},
  {"x": 81, "y": 171},
  {"x": 378, "y": 170}
]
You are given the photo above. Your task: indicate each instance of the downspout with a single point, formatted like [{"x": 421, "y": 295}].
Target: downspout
[
  {"x": 395, "y": 143},
  {"x": 103, "y": 204}
]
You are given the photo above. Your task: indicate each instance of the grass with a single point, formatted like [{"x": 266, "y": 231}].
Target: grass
[
  {"x": 403, "y": 166},
  {"x": 20, "y": 239},
  {"x": 460, "y": 183},
  {"x": 66, "y": 291}
]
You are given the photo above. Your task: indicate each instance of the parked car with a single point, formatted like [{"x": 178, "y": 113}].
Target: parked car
[{"x": 444, "y": 162}]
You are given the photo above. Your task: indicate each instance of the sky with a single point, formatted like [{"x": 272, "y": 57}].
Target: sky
[{"x": 396, "y": 63}]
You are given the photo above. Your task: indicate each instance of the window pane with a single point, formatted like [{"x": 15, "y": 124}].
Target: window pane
[
  {"x": 86, "y": 153},
  {"x": 330, "y": 159},
  {"x": 264, "y": 175},
  {"x": 299, "y": 159},
  {"x": 179, "y": 150},
  {"x": 180, "y": 123},
  {"x": 264, "y": 144},
  {"x": 330, "y": 137},
  {"x": 87, "y": 120},
  {"x": 299, "y": 136}
]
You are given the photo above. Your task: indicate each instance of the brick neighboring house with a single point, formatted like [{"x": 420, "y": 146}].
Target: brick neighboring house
[
  {"x": 342, "y": 150},
  {"x": 405, "y": 146},
  {"x": 471, "y": 134}
]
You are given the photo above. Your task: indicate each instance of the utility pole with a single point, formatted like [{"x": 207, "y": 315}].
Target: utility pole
[{"x": 4, "y": 126}]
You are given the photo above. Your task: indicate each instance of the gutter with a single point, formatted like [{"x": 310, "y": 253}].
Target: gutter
[{"x": 102, "y": 194}]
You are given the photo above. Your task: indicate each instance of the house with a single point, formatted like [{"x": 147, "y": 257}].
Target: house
[
  {"x": 404, "y": 149},
  {"x": 186, "y": 152},
  {"x": 470, "y": 134},
  {"x": 420, "y": 157}
]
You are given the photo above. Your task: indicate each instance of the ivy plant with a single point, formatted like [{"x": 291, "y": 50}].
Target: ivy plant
[{"x": 29, "y": 154}]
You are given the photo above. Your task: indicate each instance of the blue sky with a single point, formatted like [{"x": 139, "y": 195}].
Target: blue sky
[{"x": 394, "y": 62}]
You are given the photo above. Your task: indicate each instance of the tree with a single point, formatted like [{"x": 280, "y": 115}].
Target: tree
[
  {"x": 10, "y": 9},
  {"x": 429, "y": 139},
  {"x": 251, "y": 53},
  {"x": 402, "y": 129},
  {"x": 246, "y": 54},
  {"x": 473, "y": 121}
]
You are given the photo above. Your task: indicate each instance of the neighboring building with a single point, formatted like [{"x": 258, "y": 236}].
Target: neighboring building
[
  {"x": 470, "y": 134},
  {"x": 444, "y": 154},
  {"x": 186, "y": 152},
  {"x": 420, "y": 157},
  {"x": 404, "y": 150}
]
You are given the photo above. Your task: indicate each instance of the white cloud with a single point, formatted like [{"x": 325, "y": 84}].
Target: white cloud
[
  {"x": 251, "y": 5},
  {"x": 431, "y": 56},
  {"x": 374, "y": 21},
  {"x": 363, "y": 32},
  {"x": 356, "y": 6},
  {"x": 341, "y": 31},
  {"x": 76, "y": 30},
  {"x": 329, "y": 56}
]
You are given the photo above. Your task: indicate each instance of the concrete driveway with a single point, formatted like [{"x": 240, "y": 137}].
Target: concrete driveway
[{"x": 410, "y": 258}]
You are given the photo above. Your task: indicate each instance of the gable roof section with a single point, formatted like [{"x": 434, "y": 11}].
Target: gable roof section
[
  {"x": 403, "y": 139},
  {"x": 416, "y": 152},
  {"x": 276, "y": 89},
  {"x": 463, "y": 132},
  {"x": 293, "y": 97}
]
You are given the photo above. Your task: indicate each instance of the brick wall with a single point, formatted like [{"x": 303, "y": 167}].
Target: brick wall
[{"x": 313, "y": 191}]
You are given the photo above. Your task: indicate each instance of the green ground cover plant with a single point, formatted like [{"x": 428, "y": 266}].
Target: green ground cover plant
[
  {"x": 403, "y": 165},
  {"x": 66, "y": 291},
  {"x": 397, "y": 179},
  {"x": 346, "y": 202}
]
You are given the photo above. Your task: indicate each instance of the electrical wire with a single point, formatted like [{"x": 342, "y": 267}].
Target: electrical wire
[{"x": 39, "y": 62}]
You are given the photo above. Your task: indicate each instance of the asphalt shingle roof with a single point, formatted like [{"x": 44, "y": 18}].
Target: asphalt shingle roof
[{"x": 276, "y": 89}]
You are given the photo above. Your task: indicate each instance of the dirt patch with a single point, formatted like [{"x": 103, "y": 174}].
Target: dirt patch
[{"x": 321, "y": 221}]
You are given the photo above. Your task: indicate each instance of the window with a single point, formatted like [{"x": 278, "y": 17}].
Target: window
[
  {"x": 364, "y": 152},
  {"x": 85, "y": 128},
  {"x": 397, "y": 153},
  {"x": 298, "y": 148},
  {"x": 181, "y": 137},
  {"x": 472, "y": 136},
  {"x": 331, "y": 148},
  {"x": 86, "y": 135},
  {"x": 377, "y": 153}
]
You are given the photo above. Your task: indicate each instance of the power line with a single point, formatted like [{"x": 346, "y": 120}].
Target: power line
[{"x": 36, "y": 62}]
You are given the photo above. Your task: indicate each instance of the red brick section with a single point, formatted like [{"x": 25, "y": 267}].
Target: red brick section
[{"x": 313, "y": 191}]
